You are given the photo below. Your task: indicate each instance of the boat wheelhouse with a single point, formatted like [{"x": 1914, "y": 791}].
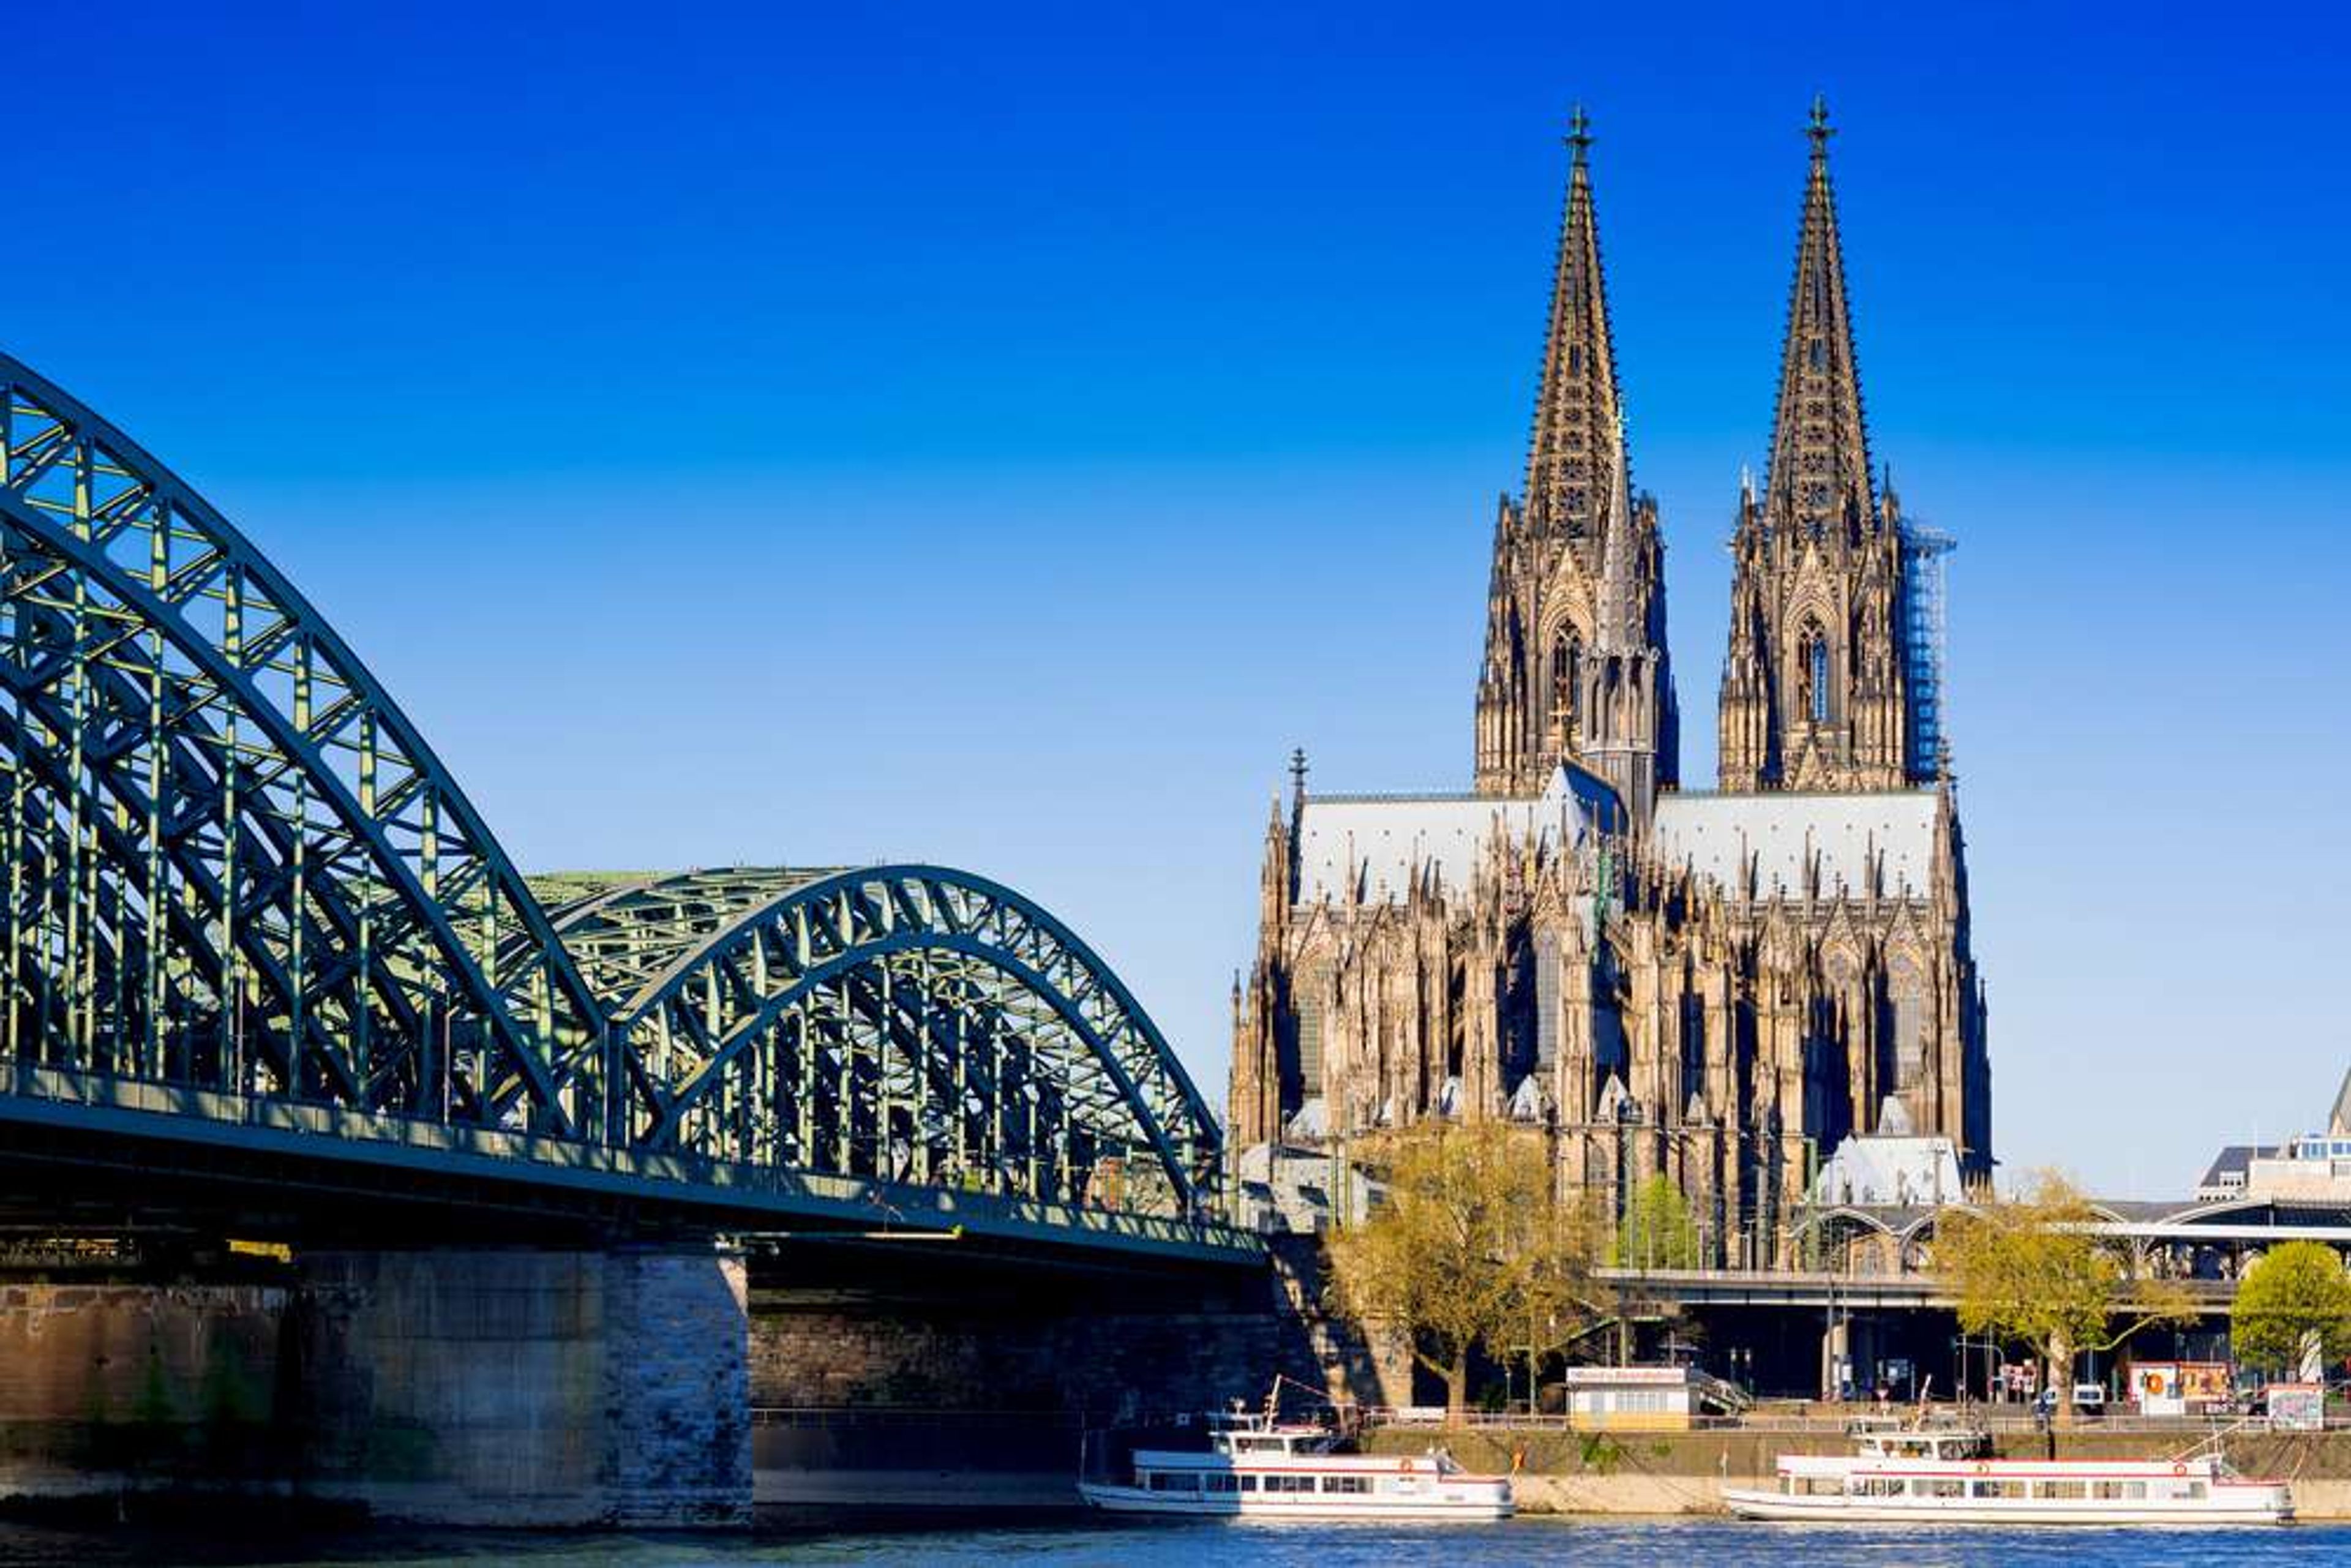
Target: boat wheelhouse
[
  {"x": 1947, "y": 1475},
  {"x": 1256, "y": 1467}
]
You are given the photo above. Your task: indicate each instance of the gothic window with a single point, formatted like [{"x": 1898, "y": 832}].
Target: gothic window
[
  {"x": 1311, "y": 986},
  {"x": 1692, "y": 1044},
  {"x": 1820, "y": 355},
  {"x": 1812, "y": 672},
  {"x": 1567, "y": 681},
  {"x": 1908, "y": 995}
]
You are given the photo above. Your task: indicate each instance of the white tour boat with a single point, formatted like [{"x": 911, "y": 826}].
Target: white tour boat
[
  {"x": 1256, "y": 1467},
  {"x": 1944, "y": 1475}
]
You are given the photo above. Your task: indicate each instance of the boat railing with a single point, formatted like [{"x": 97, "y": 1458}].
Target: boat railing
[{"x": 1773, "y": 1422}]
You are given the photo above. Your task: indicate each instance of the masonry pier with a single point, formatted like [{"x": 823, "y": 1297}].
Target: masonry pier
[{"x": 500, "y": 1386}]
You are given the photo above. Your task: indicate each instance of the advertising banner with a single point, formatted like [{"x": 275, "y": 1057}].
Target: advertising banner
[{"x": 2205, "y": 1382}]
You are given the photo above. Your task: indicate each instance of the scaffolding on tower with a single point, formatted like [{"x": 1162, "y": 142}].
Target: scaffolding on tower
[{"x": 1923, "y": 550}]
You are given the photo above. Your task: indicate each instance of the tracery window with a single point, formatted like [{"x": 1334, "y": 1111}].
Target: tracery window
[
  {"x": 1907, "y": 990},
  {"x": 1692, "y": 1044},
  {"x": 1812, "y": 672},
  {"x": 1566, "y": 681}
]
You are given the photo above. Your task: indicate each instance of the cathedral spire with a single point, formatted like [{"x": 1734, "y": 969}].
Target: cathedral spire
[
  {"x": 1819, "y": 475},
  {"x": 1576, "y": 446}
]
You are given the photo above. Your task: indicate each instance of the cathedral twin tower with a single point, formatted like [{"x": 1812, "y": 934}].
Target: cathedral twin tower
[
  {"x": 1829, "y": 640},
  {"x": 1713, "y": 986}
]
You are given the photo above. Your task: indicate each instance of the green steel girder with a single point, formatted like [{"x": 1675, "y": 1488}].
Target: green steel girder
[
  {"x": 728, "y": 994},
  {"x": 285, "y": 799},
  {"x": 234, "y": 869}
]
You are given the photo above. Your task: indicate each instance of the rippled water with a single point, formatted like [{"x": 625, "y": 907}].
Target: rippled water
[{"x": 1169, "y": 1545}]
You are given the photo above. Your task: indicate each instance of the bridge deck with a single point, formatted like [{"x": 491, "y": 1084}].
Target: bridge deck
[{"x": 720, "y": 1195}]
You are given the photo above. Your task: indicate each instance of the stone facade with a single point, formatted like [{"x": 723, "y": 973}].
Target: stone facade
[{"x": 1714, "y": 987}]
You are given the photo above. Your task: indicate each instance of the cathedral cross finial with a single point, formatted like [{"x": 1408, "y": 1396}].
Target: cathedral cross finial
[
  {"x": 1579, "y": 132},
  {"x": 1820, "y": 130},
  {"x": 1298, "y": 771}
]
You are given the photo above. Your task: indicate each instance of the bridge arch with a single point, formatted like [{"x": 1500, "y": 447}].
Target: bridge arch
[
  {"x": 221, "y": 761},
  {"x": 235, "y": 868},
  {"x": 904, "y": 1022}
]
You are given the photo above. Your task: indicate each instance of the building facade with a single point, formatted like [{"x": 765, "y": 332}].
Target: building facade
[{"x": 1717, "y": 987}]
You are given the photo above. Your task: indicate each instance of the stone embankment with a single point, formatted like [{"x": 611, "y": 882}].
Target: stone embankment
[{"x": 1686, "y": 1472}]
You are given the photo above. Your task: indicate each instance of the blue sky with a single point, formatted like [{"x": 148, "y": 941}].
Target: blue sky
[{"x": 998, "y": 435}]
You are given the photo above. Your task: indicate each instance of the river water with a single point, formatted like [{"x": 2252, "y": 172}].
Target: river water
[{"x": 1676, "y": 1543}]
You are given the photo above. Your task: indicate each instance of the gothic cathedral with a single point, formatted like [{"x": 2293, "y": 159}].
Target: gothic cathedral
[{"x": 1714, "y": 987}]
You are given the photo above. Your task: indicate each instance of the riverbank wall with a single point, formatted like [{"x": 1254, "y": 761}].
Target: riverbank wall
[{"x": 1663, "y": 1473}]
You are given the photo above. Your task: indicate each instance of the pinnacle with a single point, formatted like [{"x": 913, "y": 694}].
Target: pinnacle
[
  {"x": 1576, "y": 446},
  {"x": 1579, "y": 133},
  {"x": 1820, "y": 469}
]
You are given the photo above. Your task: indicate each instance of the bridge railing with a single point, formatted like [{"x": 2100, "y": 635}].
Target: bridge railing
[{"x": 283, "y": 1126}]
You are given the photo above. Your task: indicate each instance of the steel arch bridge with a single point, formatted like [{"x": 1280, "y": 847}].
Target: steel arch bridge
[{"x": 242, "y": 888}]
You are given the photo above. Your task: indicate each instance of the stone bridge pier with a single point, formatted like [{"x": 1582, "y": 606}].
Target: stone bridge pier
[
  {"x": 562, "y": 1386},
  {"x": 513, "y": 1386}
]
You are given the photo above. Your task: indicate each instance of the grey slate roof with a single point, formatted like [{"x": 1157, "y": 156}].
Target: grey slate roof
[
  {"x": 1716, "y": 834},
  {"x": 1381, "y": 842}
]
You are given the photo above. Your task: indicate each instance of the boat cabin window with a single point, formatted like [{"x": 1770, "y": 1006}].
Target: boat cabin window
[
  {"x": 2000, "y": 1488},
  {"x": 1820, "y": 1486},
  {"x": 1290, "y": 1483},
  {"x": 2195, "y": 1489},
  {"x": 2118, "y": 1491},
  {"x": 1938, "y": 1485},
  {"x": 1347, "y": 1483},
  {"x": 1214, "y": 1482},
  {"x": 1877, "y": 1486},
  {"x": 1248, "y": 1483},
  {"x": 1262, "y": 1445},
  {"x": 1180, "y": 1481},
  {"x": 2063, "y": 1491}
]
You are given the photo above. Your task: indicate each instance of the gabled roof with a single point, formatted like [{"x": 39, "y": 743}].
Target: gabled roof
[
  {"x": 1850, "y": 836},
  {"x": 1377, "y": 847},
  {"x": 2234, "y": 1160}
]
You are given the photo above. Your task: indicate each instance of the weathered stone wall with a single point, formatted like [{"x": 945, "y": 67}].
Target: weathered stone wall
[
  {"x": 678, "y": 1389},
  {"x": 1122, "y": 1365},
  {"x": 460, "y": 1386},
  {"x": 156, "y": 1383},
  {"x": 1112, "y": 1350},
  {"x": 509, "y": 1386}
]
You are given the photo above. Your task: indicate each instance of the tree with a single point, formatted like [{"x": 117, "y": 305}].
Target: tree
[
  {"x": 1657, "y": 1230},
  {"x": 2296, "y": 1299},
  {"x": 2028, "y": 1269},
  {"x": 1471, "y": 1246}
]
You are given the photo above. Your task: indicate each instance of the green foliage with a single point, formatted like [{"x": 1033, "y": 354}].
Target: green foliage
[
  {"x": 2295, "y": 1291},
  {"x": 2027, "y": 1270},
  {"x": 1658, "y": 1231},
  {"x": 1471, "y": 1248}
]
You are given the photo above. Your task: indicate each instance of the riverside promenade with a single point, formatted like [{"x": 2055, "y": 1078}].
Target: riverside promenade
[{"x": 1564, "y": 1469}]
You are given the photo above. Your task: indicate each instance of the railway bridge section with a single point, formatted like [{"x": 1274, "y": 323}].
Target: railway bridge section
[{"x": 268, "y": 979}]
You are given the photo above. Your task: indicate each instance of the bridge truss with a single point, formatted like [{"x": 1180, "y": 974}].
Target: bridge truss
[{"x": 237, "y": 875}]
